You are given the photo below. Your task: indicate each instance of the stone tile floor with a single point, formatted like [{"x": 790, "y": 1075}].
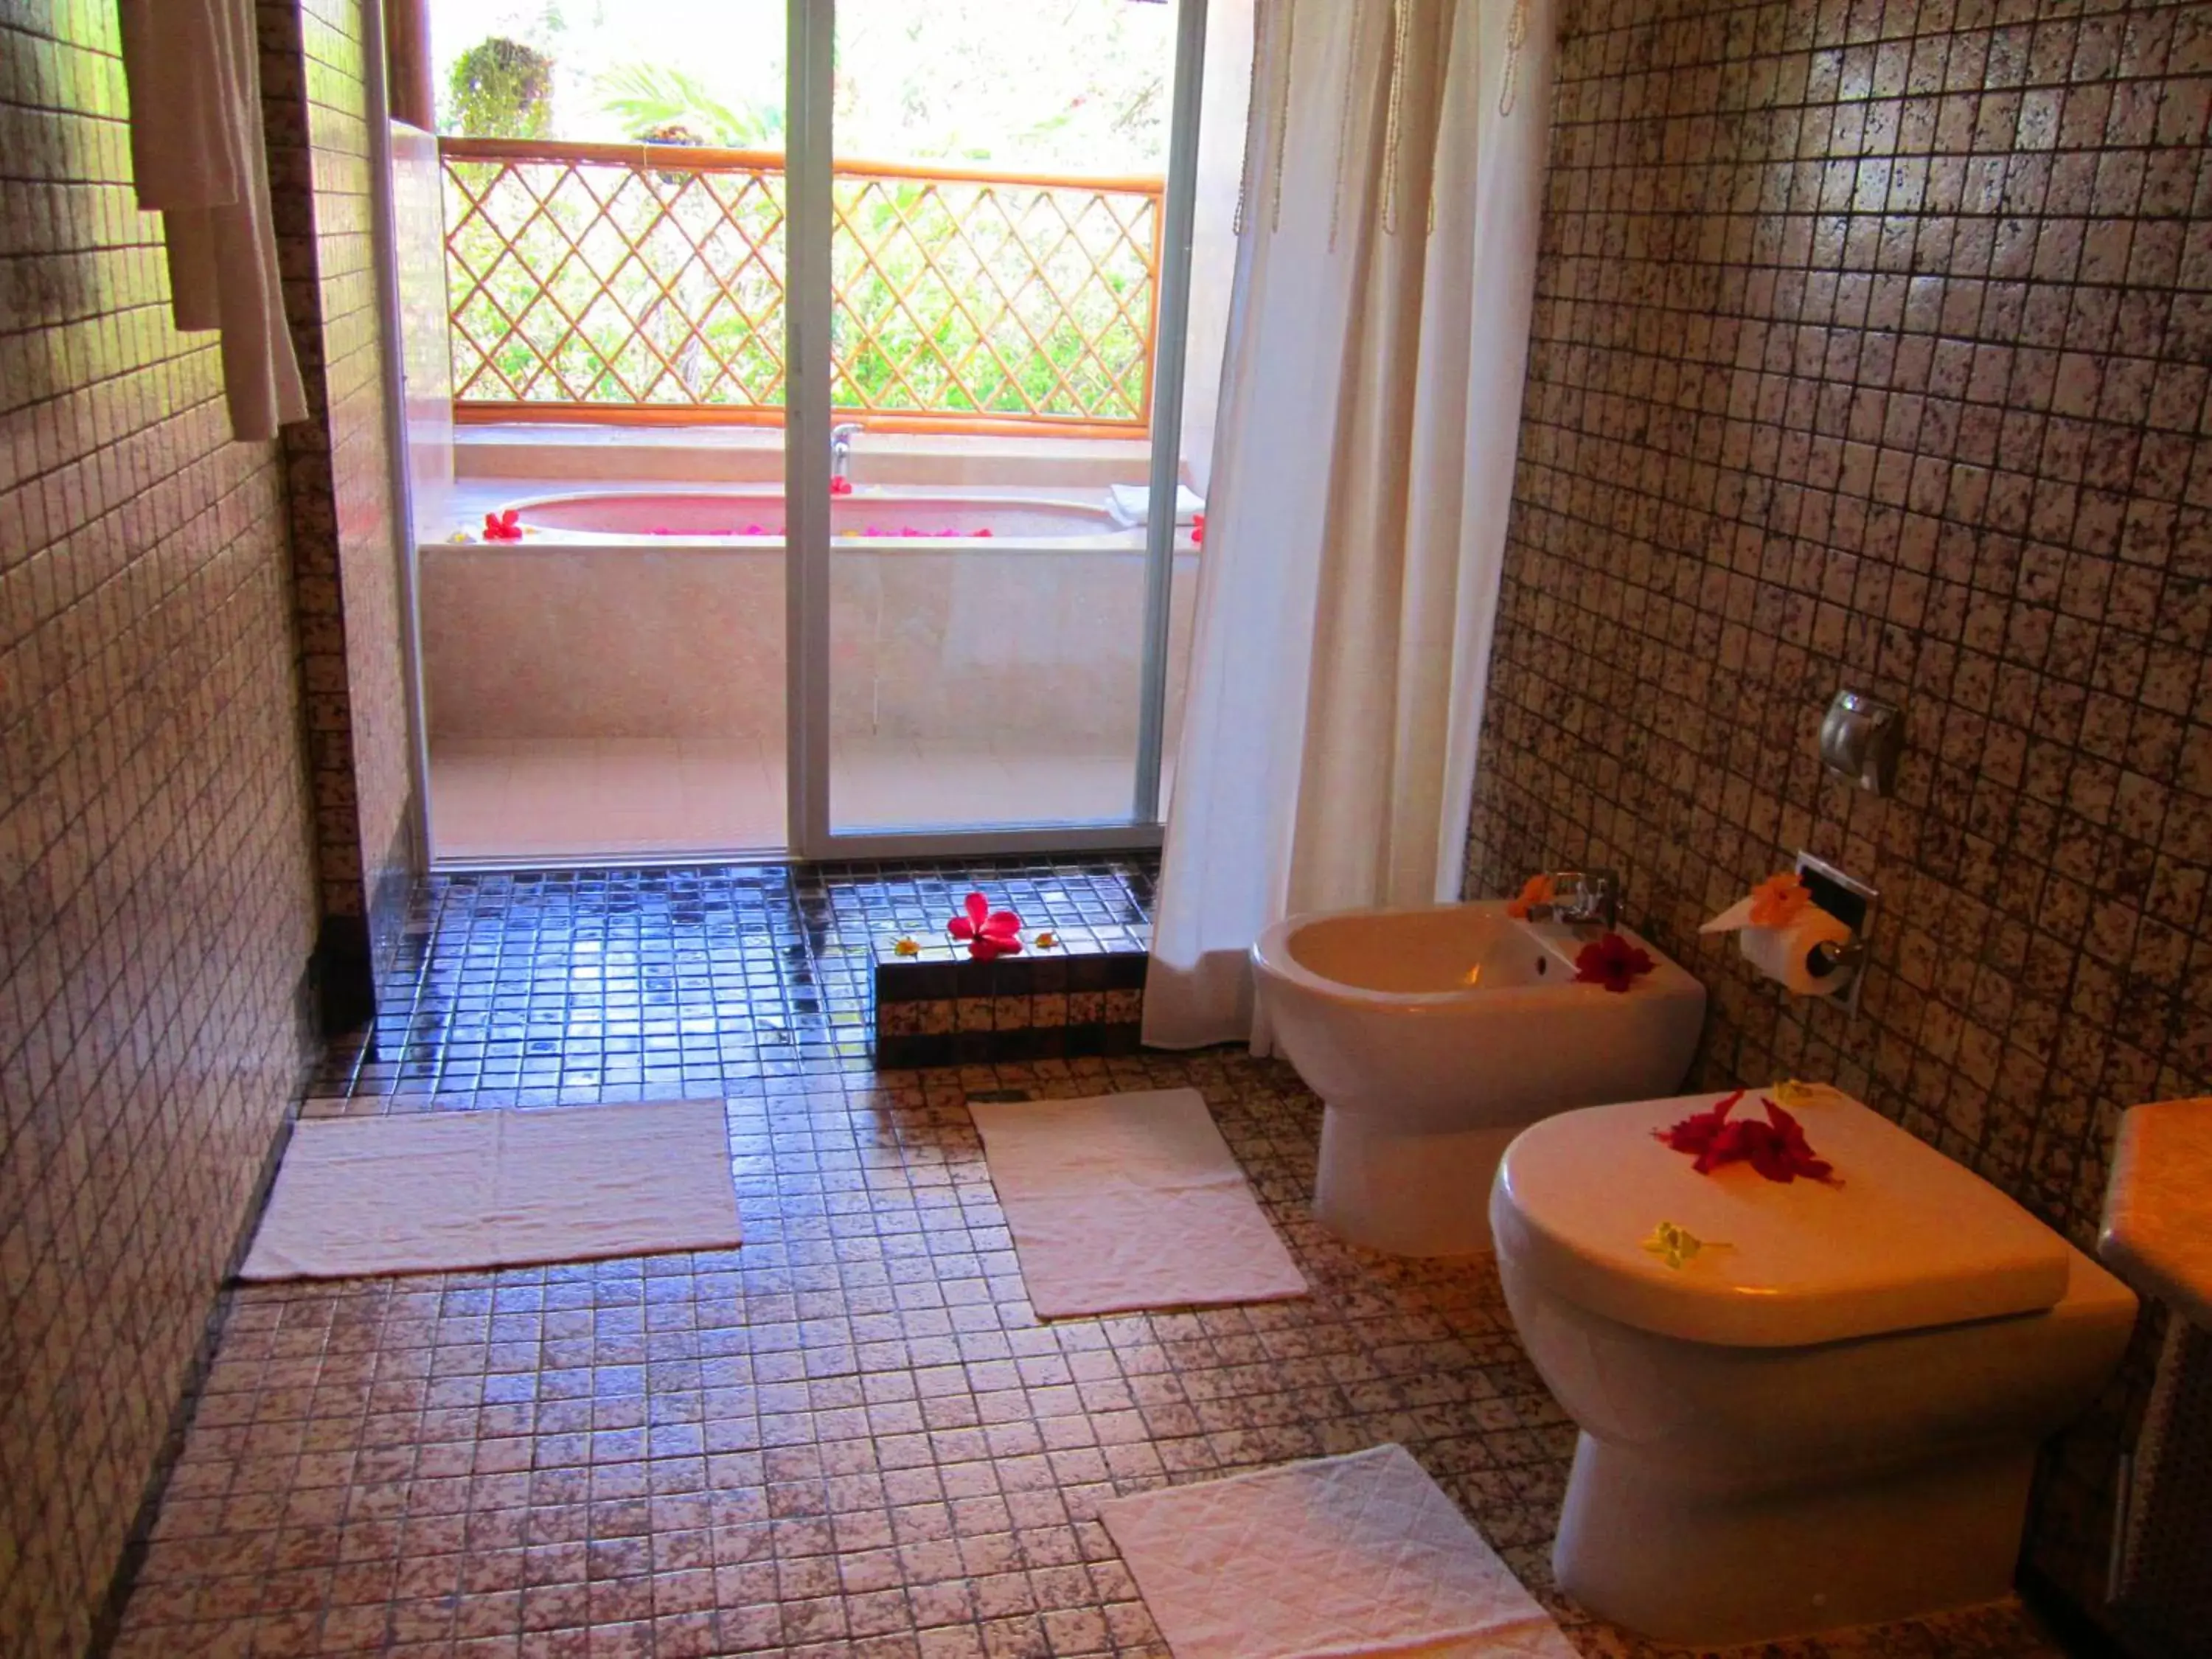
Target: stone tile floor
[{"x": 851, "y": 1436}]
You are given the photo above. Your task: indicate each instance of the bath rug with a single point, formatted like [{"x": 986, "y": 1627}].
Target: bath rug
[
  {"x": 1119, "y": 1202},
  {"x": 443, "y": 1192},
  {"x": 1360, "y": 1554}
]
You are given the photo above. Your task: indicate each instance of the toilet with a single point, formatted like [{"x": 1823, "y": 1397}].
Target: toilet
[
  {"x": 1434, "y": 1035},
  {"x": 1828, "y": 1415}
]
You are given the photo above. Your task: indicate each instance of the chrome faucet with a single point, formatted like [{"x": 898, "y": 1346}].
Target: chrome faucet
[
  {"x": 841, "y": 450},
  {"x": 1582, "y": 897}
]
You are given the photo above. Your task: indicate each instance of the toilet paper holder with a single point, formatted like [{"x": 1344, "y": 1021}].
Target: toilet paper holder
[{"x": 1852, "y": 902}]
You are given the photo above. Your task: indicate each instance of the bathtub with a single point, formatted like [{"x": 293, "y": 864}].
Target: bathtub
[
  {"x": 651, "y": 612},
  {"x": 740, "y": 515}
]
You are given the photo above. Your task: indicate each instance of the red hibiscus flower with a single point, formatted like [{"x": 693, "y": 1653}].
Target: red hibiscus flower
[
  {"x": 1776, "y": 1148},
  {"x": 1612, "y": 961},
  {"x": 502, "y": 526},
  {"x": 1198, "y": 530},
  {"x": 990, "y": 933},
  {"x": 841, "y": 486}
]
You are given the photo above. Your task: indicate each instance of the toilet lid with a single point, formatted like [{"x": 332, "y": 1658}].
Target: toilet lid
[{"x": 1909, "y": 1238}]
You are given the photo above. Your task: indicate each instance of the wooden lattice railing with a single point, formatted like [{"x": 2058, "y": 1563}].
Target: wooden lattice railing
[{"x": 645, "y": 282}]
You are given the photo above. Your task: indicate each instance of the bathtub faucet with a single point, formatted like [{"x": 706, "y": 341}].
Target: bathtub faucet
[
  {"x": 1582, "y": 896},
  {"x": 841, "y": 449}
]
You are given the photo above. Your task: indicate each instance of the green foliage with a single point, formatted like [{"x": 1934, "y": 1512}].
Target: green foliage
[
  {"x": 650, "y": 99},
  {"x": 501, "y": 88}
]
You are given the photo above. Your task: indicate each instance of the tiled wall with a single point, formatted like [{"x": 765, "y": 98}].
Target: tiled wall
[
  {"x": 1872, "y": 345},
  {"x": 156, "y": 896},
  {"x": 345, "y": 525}
]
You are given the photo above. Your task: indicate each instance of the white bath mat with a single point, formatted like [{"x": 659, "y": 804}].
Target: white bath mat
[
  {"x": 1126, "y": 1201},
  {"x": 1342, "y": 1555},
  {"x": 432, "y": 1192}
]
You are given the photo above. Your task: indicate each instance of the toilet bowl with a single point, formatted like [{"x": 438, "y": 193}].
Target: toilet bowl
[
  {"x": 1829, "y": 1414},
  {"x": 1434, "y": 1036}
]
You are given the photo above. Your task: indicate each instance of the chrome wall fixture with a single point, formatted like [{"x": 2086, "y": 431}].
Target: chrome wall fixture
[{"x": 1861, "y": 738}]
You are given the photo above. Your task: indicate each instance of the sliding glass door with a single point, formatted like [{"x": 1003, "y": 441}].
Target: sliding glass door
[
  {"x": 817, "y": 369},
  {"x": 989, "y": 522}
]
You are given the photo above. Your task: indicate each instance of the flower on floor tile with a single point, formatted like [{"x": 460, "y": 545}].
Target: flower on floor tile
[
  {"x": 1777, "y": 901},
  {"x": 1612, "y": 963},
  {"x": 906, "y": 945},
  {"x": 1677, "y": 1246},
  {"x": 1777, "y": 1147},
  {"x": 1536, "y": 891},
  {"x": 502, "y": 526},
  {"x": 989, "y": 933},
  {"x": 1045, "y": 940}
]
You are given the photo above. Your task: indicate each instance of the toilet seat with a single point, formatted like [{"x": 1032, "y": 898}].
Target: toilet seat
[{"x": 1909, "y": 1239}]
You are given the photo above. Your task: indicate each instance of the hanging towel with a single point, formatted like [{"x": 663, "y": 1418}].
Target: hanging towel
[{"x": 196, "y": 152}]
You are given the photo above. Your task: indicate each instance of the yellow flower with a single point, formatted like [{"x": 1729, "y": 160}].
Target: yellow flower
[
  {"x": 1777, "y": 901},
  {"x": 1677, "y": 1246},
  {"x": 1045, "y": 941},
  {"x": 1793, "y": 1093},
  {"x": 906, "y": 946}
]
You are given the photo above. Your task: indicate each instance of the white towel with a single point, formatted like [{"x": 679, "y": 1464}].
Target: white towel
[
  {"x": 198, "y": 157},
  {"x": 1131, "y": 504}
]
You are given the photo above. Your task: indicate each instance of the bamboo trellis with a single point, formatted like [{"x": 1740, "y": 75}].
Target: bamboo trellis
[{"x": 645, "y": 283}]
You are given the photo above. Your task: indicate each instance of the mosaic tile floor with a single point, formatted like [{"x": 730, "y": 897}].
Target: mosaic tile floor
[
  {"x": 580, "y": 986},
  {"x": 850, "y": 1437}
]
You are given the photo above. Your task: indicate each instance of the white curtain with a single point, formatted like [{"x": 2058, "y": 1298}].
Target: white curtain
[{"x": 1378, "y": 339}]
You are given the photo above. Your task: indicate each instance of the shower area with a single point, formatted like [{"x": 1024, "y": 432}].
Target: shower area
[{"x": 790, "y": 388}]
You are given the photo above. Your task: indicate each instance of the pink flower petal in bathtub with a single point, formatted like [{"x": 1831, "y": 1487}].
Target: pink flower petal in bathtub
[{"x": 985, "y": 530}]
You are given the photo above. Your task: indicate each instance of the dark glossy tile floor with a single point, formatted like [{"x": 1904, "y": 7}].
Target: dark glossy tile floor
[
  {"x": 851, "y": 1436},
  {"x": 574, "y": 987}
]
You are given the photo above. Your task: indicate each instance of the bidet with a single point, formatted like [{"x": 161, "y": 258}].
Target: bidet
[{"x": 1434, "y": 1036}]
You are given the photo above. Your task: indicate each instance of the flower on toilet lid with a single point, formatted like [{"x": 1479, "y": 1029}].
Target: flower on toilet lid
[
  {"x": 1776, "y": 1148},
  {"x": 1677, "y": 1246}
]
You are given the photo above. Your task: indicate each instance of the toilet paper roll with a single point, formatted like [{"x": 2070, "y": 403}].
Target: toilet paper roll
[{"x": 1780, "y": 953}]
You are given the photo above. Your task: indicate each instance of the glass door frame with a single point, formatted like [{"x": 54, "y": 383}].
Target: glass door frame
[{"x": 810, "y": 218}]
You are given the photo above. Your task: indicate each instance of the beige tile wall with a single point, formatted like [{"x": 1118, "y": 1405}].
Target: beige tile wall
[
  {"x": 157, "y": 900},
  {"x": 1871, "y": 348},
  {"x": 345, "y": 525}
]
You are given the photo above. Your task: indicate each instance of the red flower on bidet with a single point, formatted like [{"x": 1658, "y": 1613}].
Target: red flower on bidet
[
  {"x": 1612, "y": 961},
  {"x": 989, "y": 933}
]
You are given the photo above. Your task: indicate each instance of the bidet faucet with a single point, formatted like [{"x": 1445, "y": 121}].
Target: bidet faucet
[
  {"x": 1581, "y": 897},
  {"x": 841, "y": 449}
]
